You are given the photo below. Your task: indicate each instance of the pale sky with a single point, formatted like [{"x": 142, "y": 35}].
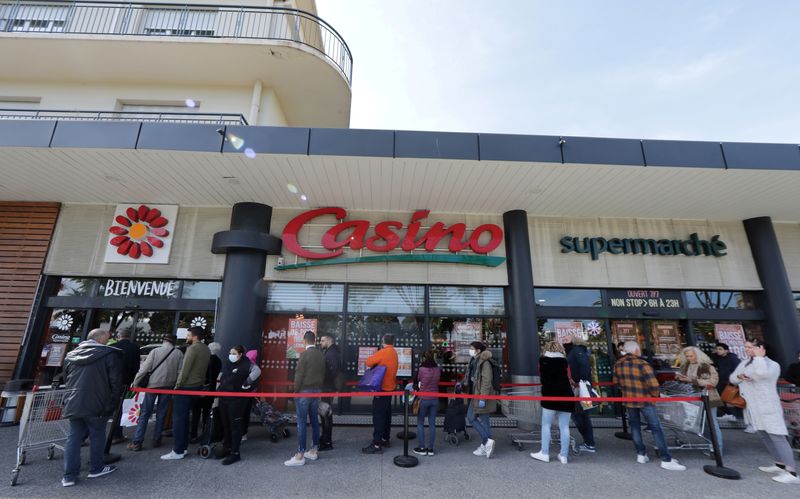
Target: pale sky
[{"x": 689, "y": 69}]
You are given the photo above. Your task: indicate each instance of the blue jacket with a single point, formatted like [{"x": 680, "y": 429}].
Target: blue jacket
[{"x": 578, "y": 360}]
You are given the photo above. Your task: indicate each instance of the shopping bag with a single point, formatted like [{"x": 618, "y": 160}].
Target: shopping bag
[
  {"x": 730, "y": 395},
  {"x": 131, "y": 408},
  {"x": 585, "y": 390},
  {"x": 372, "y": 379}
]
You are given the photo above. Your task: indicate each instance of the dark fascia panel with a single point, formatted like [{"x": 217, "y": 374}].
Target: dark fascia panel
[
  {"x": 538, "y": 148},
  {"x": 267, "y": 139},
  {"x": 683, "y": 153},
  {"x": 746, "y": 156},
  {"x": 436, "y": 145},
  {"x": 351, "y": 142},
  {"x": 181, "y": 137},
  {"x": 600, "y": 151},
  {"x": 95, "y": 134},
  {"x": 26, "y": 133}
]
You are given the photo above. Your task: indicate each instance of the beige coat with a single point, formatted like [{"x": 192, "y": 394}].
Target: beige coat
[{"x": 763, "y": 409}]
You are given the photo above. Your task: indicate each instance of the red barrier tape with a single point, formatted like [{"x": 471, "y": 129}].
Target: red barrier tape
[{"x": 198, "y": 393}]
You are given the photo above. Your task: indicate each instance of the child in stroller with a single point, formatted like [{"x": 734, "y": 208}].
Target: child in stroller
[{"x": 455, "y": 419}]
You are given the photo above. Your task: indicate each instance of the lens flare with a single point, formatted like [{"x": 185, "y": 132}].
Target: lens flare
[
  {"x": 249, "y": 153},
  {"x": 190, "y": 103},
  {"x": 292, "y": 188},
  {"x": 236, "y": 141},
  {"x": 303, "y": 197}
]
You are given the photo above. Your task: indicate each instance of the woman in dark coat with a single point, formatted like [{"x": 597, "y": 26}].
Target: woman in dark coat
[
  {"x": 233, "y": 409},
  {"x": 554, "y": 372}
]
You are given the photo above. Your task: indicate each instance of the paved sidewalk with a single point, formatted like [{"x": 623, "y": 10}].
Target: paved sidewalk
[{"x": 453, "y": 472}]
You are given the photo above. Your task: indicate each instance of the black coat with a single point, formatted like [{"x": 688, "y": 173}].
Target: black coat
[
  {"x": 725, "y": 367},
  {"x": 234, "y": 375},
  {"x": 333, "y": 369},
  {"x": 212, "y": 372},
  {"x": 94, "y": 372},
  {"x": 578, "y": 359},
  {"x": 130, "y": 360},
  {"x": 555, "y": 383}
]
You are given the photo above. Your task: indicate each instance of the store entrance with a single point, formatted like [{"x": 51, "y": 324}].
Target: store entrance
[{"x": 661, "y": 340}]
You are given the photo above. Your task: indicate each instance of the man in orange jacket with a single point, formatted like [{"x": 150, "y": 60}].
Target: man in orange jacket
[{"x": 382, "y": 406}]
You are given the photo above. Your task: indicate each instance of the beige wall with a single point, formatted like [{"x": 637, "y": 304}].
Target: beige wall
[
  {"x": 81, "y": 235},
  {"x": 736, "y": 270},
  {"x": 402, "y": 272},
  {"x": 789, "y": 241}
]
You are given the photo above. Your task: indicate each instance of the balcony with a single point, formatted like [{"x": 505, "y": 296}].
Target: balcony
[
  {"x": 295, "y": 53},
  {"x": 159, "y": 117}
]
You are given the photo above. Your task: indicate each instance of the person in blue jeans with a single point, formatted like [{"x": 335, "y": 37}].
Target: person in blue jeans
[
  {"x": 428, "y": 378},
  {"x": 554, "y": 372},
  {"x": 479, "y": 381},
  {"x": 308, "y": 377}
]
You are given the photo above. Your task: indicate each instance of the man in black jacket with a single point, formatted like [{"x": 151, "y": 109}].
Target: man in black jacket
[
  {"x": 580, "y": 369},
  {"x": 130, "y": 366},
  {"x": 94, "y": 376},
  {"x": 726, "y": 362},
  {"x": 333, "y": 383}
]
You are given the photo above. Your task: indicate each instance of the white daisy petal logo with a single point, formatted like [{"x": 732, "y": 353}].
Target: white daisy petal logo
[
  {"x": 199, "y": 321},
  {"x": 594, "y": 328},
  {"x": 63, "y": 322}
]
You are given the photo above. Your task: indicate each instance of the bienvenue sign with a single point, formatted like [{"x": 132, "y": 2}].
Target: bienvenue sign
[{"x": 129, "y": 288}]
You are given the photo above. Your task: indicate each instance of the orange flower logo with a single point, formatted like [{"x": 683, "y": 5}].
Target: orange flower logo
[{"x": 139, "y": 231}]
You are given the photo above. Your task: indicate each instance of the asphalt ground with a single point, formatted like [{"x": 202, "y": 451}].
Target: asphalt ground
[{"x": 452, "y": 472}]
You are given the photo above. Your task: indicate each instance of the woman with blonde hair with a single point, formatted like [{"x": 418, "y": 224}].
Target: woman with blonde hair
[
  {"x": 697, "y": 369},
  {"x": 554, "y": 372}
]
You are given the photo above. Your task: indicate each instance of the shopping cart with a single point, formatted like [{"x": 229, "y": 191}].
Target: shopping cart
[
  {"x": 683, "y": 423},
  {"x": 42, "y": 425},
  {"x": 790, "y": 401},
  {"x": 529, "y": 414}
]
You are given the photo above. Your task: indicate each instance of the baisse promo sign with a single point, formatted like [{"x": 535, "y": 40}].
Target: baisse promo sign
[{"x": 415, "y": 243}]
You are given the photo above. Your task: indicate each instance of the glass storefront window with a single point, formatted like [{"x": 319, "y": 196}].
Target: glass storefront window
[
  {"x": 706, "y": 333},
  {"x": 76, "y": 286},
  {"x": 667, "y": 339},
  {"x": 450, "y": 338},
  {"x": 64, "y": 332},
  {"x": 720, "y": 300},
  {"x": 464, "y": 300},
  {"x": 592, "y": 333},
  {"x": 204, "y": 320},
  {"x": 369, "y": 299},
  {"x": 201, "y": 290},
  {"x": 562, "y": 297},
  {"x": 304, "y": 297}
]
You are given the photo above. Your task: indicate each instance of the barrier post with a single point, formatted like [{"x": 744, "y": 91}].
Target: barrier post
[
  {"x": 624, "y": 435},
  {"x": 718, "y": 470},
  {"x": 405, "y": 461},
  {"x": 108, "y": 457}
]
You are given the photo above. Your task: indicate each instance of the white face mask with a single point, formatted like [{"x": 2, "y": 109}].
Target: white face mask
[
  {"x": 233, "y": 358},
  {"x": 473, "y": 353}
]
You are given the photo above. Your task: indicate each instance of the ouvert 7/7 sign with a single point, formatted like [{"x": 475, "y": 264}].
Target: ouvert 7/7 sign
[{"x": 411, "y": 242}]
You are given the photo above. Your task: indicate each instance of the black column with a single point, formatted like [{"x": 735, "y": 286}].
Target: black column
[
  {"x": 240, "y": 315},
  {"x": 523, "y": 343},
  {"x": 782, "y": 331}
]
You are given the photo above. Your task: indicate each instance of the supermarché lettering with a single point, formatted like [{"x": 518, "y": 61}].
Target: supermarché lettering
[{"x": 595, "y": 246}]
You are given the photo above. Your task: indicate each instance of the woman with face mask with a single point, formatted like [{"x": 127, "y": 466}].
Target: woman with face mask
[
  {"x": 479, "y": 381},
  {"x": 233, "y": 409}
]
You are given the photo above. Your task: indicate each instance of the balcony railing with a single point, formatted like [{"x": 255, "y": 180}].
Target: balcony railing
[
  {"x": 184, "y": 20},
  {"x": 177, "y": 117}
]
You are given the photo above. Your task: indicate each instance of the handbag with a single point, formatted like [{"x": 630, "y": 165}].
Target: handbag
[
  {"x": 415, "y": 406},
  {"x": 585, "y": 390},
  {"x": 731, "y": 396},
  {"x": 146, "y": 378},
  {"x": 372, "y": 379}
]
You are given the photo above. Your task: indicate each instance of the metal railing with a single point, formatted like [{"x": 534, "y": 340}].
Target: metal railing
[
  {"x": 172, "y": 117},
  {"x": 184, "y": 20}
]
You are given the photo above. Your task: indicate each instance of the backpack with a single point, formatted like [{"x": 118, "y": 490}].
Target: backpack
[{"x": 497, "y": 375}]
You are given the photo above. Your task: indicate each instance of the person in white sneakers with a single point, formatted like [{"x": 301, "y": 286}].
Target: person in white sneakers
[
  {"x": 636, "y": 379},
  {"x": 757, "y": 378},
  {"x": 308, "y": 377},
  {"x": 554, "y": 371},
  {"x": 479, "y": 380}
]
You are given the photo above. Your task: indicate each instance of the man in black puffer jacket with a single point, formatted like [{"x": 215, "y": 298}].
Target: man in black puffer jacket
[
  {"x": 580, "y": 369},
  {"x": 93, "y": 372}
]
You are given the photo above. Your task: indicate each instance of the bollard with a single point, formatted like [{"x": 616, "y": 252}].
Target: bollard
[
  {"x": 405, "y": 461},
  {"x": 624, "y": 434},
  {"x": 718, "y": 470},
  {"x": 108, "y": 457}
]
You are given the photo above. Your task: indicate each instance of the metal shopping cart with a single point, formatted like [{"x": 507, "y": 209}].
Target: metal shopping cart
[
  {"x": 42, "y": 425},
  {"x": 529, "y": 413},
  {"x": 684, "y": 423},
  {"x": 790, "y": 401}
]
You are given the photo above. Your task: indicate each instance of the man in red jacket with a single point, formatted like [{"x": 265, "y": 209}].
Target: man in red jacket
[{"x": 382, "y": 406}]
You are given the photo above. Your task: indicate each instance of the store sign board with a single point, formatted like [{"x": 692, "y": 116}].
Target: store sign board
[
  {"x": 133, "y": 288},
  {"x": 595, "y": 246},
  {"x": 363, "y": 354},
  {"x": 415, "y": 243},
  {"x": 733, "y": 336},
  {"x": 295, "y": 345},
  {"x": 643, "y": 298},
  {"x": 665, "y": 339},
  {"x": 141, "y": 234},
  {"x": 565, "y": 329},
  {"x": 404, "y": 356}
]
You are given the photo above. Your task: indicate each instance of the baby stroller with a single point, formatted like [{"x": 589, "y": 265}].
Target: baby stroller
[
  {"x": 211, "y": 432},
  {"x": 455, "y": 419},
  {"x": 273, "y": 420}
]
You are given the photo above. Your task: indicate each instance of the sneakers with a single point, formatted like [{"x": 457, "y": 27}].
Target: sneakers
[
  {"x": 244, "y": 438},
  {"x": 311, "y": 454},
  {"x": 562, "y": 459},
  {"x": 296, "y": 460},
  {"x": 786, "y": 477},
  {"x": 105, "y": 471},
  {"x": 430, "y": 452},
  {"x": 480, "y": 451},
  {"x": 587, "y": 448},
  {"x": 386, "y": 443},
  {"x": 540, "y": 457},
  {"x": 749, "y": 429},
  {"x": 422, "y": 451},
  {"x": 726, "y": 417},
  {"x": 372, "y": 449},
  {"x": 642, "y": 459},
  {"x": 173, "y": 455},
  {"x": 771, "y": 469},
  {"x": 489, "y": 448},
  {"x": 67, "y": 482},
  {"x": 673, "y": 465}
]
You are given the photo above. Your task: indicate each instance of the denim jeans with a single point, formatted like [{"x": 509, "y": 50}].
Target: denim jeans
[
  {"x": 427, "y": 409},
  {"x": 480, "y": 422},
  {"x": 563, "y": 428},
  {"x": 307, "y": 409},
  {"x": 651, "y": 417},
  {"x": 181, "y": 407},
  {"x": 78, "y": 428},
  {"x": 150, "y": 400},
  {"x": 583, "y": 423},
  {"x": 707, "y": 433},
  {"x": 381, "y": 419}
]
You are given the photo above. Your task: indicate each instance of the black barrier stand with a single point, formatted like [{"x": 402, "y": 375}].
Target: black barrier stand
[
  {"x": 718, "y": 470},
  {"x": 405, "y": 461},
  {"x": 108, "y": 457},
  {"x": 624, "y": 434}
]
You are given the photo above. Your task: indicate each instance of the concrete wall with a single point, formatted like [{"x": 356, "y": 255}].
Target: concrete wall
[{"x": 789, "y": 241}]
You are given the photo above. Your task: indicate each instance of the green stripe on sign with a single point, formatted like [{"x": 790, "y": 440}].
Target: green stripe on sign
[{"x": 488, "y": 261}]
